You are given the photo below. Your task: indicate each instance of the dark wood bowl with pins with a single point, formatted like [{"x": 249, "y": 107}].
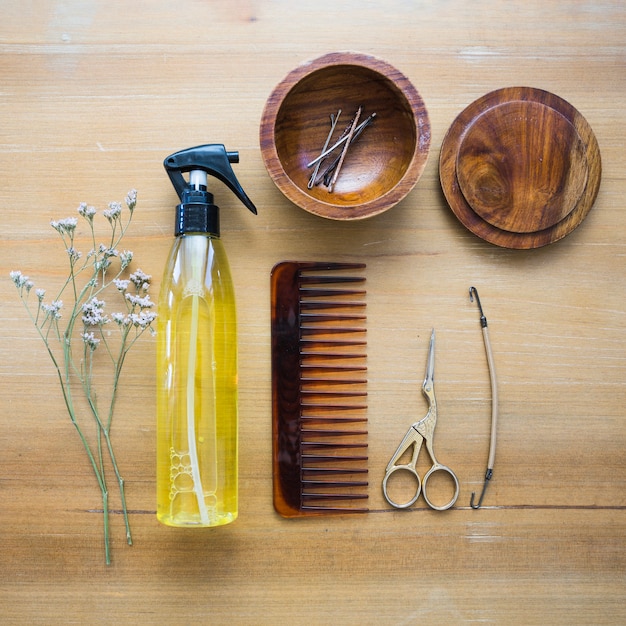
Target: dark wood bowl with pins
[{"x": 367, "y": 107}]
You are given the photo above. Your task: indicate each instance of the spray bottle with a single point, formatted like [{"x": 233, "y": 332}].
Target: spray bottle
[{"x": 197, "y": 418}]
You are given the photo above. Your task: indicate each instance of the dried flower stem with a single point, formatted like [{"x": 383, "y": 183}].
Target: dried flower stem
[{"x": 75, "y": 368}]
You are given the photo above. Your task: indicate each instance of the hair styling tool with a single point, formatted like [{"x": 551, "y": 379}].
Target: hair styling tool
[
  {"x": 318, "y": 388},
  {"x": 473, "y": 293}
]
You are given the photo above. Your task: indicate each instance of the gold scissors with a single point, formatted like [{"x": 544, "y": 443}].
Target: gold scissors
[{"x": 418, "y": 433}]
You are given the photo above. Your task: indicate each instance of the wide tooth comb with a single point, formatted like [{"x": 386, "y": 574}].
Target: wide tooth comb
[{"x": 318, "y": 388}]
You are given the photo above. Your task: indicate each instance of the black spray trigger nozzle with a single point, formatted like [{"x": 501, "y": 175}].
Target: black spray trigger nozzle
[{"x": 213, "y": 159}]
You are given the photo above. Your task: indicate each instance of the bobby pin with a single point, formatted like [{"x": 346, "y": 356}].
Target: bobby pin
[
  {"x": 326, "y": 174},
  {"x": 339, "y": 142},
  {"x": 333, "y": 123},
  {"x": 345, "y": 150}
]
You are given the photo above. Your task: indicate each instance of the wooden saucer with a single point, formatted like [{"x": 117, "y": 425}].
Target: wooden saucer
[{"x": 520, "y": 167}]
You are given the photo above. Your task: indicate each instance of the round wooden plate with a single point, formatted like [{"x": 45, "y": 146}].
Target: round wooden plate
[{"x": 520, "y": 167}]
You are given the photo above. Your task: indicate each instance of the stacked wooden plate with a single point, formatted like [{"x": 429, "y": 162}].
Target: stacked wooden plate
[{"x": 520, "y": 167}]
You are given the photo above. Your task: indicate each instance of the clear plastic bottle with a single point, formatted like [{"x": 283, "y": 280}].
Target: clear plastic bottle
[{"x": 197, "y": 421}]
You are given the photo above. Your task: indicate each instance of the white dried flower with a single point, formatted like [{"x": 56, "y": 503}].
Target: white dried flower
[
  {"x": 86, "y": 211},
  {"x": 140, "y": 280},
  {"x": 119, "y": 318},
  {"x": 125, "y": 258},
  {"x": 113, "y": 212},
  {"x": 107, "y": 252},
  {"x": 65, "y": 226},
  {"x": 18, "y": 278},
  {"x": 21, "y": 281},
  {"x": 131, "y": 199},
  {"x": 91, "y": 340},
  {"x": 76, "y": 364},
  {"x": 74, "y": 254},
  {"x": 121, "y": 284},
  {"x": 142, "y": 319},
  {"x": 143, "y": 302},
  {"x": 102, "y": 265},
  {"x": 52, "y": 309},
  {"x": 93, "y": 313}
]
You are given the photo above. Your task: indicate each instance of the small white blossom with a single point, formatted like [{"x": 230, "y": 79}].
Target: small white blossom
[
  {"x": 21, "y": 282},
  {"x": 125, "y": 258},
  {"x": 142, "y": 302},
  {"x": 113, "y": 212},
  {"x": 131, "y": 199},
  {"x": 140, "y": 280},
  {"x": 90, "y": 339},
  {"x": 93, "y": 313},
  {"x": 67, "y": 225},
  {"x": 18, "y": 278},
  {"x": 107, "y": 252},
  {"x": 119, "y": 318},
  {"x": 53, "y": 309},
  {"x": 40, "y": 294},
  {"x": 102, "y": 265},
  {"x": 74, "y": 254},
  {"x": 142, "y": 319},
  {"x": 122, "y": 285},
  {"x": 86, "y": 211}
]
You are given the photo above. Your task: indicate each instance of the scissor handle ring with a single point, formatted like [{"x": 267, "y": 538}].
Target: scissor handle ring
[
  {"x": 406, "y": 468},
  {"x": 441, "y": 468}
]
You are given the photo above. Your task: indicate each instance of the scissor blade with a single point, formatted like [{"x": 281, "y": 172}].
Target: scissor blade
[{"x": 430, "y": 364}]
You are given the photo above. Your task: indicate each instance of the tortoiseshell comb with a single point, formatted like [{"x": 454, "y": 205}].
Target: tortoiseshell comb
[{"x": 318, "y": 388}]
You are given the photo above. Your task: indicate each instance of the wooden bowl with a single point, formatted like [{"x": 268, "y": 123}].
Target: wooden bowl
[
  {"x": 379, "y": 169},
  {"x": 520, "y": 167}
]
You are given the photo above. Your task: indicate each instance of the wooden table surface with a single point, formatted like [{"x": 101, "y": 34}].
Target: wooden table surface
[{"x": 94, "y": 95}]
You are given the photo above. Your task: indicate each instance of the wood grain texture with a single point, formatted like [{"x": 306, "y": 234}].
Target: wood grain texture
[
  {"x": 94, "y": 96},
  {"x": 520, "y": 167}
]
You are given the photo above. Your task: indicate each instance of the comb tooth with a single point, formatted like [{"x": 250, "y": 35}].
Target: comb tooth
[
  {"x": 308, "y": 343},
  {"x": 324, "y": 432},
  {"x": 313, "y": 351},
  {"x": 318, "y": 305},
  {"x": 310, "y": 279},
  {"x": 317, "y": 356},
  {"x": 329, "y": 368},
  {"x": 330, "y": 484},
  {"x": 323, "y": 458},
  {"x": 331, "y": 411},
  {"x": 333, "y": 407},
  {"x": 330, "y": 330},
  {"x": 316, "y": 381},
  {"x": 319, "y": 510},
  {"x": 329, "y": 265},
  {"x": 311, "y": 397},
  {"x": 309, "y": 445},
  {"x": 334, "y": 420},
  {"x": 334, "y": 471},
  {"x": 330, "y": 379},
  {"x": 331, "y": 394},
  {"x": 331, "y": 317},
  {"x": 309, "y": 292},
  {"x": 334, "y": 496}
]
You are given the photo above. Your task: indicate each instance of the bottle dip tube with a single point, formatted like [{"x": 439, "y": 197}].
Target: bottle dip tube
[{"x": 197, "y": 420}]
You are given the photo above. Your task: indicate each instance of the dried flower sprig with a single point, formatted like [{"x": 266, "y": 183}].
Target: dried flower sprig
[{"x": 73, "y": 338}]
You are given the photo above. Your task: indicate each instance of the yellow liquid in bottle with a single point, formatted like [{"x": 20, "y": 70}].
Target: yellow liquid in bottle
[{"x": 197, "y": 387}]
